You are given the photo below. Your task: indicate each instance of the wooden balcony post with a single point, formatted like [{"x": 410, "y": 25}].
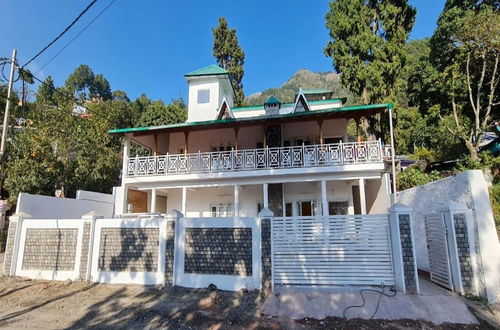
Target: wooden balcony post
[
  {"x": 155, "y": 145},
  {"x": 236, "y": 130},
  {"x": 186, "y": 140},
  {"x": 320, "y": 124}
]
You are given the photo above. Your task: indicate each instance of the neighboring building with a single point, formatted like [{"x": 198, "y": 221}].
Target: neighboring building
[{"x": 293, "y": 158}]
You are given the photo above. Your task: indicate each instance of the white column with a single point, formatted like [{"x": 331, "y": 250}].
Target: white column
[
  {"x": 265, "y": 195},
  {"x": 362, "y": 195},
  {"x": 184, "y": 201},
  {"x": 126, "y": 147},
  {"x": 324, "y": 198},
  {"x": 236, "y": 200},
  {"x": 153, "y": 200}
]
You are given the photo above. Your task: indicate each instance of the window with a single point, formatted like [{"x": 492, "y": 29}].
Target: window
[
  {"x": 307, "y": 208},
  {"x": 338, "y": 208},
  {"x": 203, "y": 96},
  {"x": 333, "y": 140},
  {"x": 221, "y": 210}
]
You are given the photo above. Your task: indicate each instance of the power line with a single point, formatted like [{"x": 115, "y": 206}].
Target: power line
[
  {"x": 76, "y": 36},
  {"x": 62, "y": 33}
]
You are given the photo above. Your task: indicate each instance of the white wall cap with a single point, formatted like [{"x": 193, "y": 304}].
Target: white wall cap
[
  {"x": 265, "y": 213},
  {"x": 21, "y": 215},
  {"x": 399, "y": 207},
  {"x": 175, "y": 214},
  {"x": 92, "y": 214}
]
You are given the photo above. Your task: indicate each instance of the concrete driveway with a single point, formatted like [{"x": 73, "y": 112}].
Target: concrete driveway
[{"x": 434, "y": 304}]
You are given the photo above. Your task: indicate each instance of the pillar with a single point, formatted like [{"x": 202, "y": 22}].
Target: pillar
[
  {"x": 153, "y": 200},
  {"x": 403, "y": 248},
  {"x": 362, "y": 195},
  {"x": 236, "y": 200},
  {"x": 265, "y": 195},
  {"x": 324, "y": 198},
  {"x": 88, "y": 238},
  {"x": 184, "y": 201}
]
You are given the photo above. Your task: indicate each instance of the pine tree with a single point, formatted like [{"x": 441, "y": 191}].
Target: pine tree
[
  {"x": 230, "y": 56},
  {"x": 367, "y": 44},
  {"x": 45, "y": 94}
]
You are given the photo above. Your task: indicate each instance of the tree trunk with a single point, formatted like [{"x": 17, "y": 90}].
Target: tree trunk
[{"x": 472, "y": 151}]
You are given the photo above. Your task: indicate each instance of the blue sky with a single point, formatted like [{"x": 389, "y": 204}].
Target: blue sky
[{"x": 147, "y": 46}]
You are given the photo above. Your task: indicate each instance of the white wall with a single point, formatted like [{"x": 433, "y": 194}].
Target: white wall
[
  {"x": 469, "y": 189},
  {"x": 46, "y": 207},
  {"x": 205, "y": 111},
  {"x": 94, "y": 196}
]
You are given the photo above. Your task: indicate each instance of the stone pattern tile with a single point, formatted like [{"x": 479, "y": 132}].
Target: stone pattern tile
[
  {"x": 129, "y": 249},
  {"x": 226, "y": 251},
  {"x": 84, "y": 258},
  {"x": 50, "y": 249},
  {"x": 9, "y": 247},
  {"x": 169, "y": 253},
  {"x": 407, "y": 249},
  {"x": 464, "y": 257},
  {"x": 266, "y": 253}
]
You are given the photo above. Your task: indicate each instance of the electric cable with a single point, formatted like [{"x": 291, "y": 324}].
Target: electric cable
[
  {"x": 381, "y": 293},
  {"x": 61, "y": 34},
  {"x": 76, "y": 36}
]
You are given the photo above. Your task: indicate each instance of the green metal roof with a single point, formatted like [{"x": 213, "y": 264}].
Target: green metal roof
[
  {"x": 272, "y": 100},
  {"x": 210, "y": 70},
  {"x": 316, "y": 91},
  {"x": 252, "y": 119},
  {"x": 284, "y": 105}
]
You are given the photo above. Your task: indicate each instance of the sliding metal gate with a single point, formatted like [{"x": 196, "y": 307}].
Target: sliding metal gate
[
  {"x": 335, "y": 250},
  {"x": 437, "y": 246}
]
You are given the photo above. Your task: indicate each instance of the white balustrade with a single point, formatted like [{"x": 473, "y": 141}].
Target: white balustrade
[{"x": 265, "y": 158}]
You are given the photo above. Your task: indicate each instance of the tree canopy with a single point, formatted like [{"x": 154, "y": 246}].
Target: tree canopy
[{"x": 230, "y": 56}]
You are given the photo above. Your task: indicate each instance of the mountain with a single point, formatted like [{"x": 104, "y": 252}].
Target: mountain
[{"x": 301, "y": 79}]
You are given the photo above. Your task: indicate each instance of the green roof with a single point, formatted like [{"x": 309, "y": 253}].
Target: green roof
[
  {"x": 252, "y": 119},
  {"x": 210, "y": 70},
  {"x": 272, "y": 100},
  {"x": 316, "y": 91},
  {"x": 284, "y": 105}
]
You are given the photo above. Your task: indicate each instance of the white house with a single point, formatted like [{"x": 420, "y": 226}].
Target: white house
[{"x": 294, "y": 158}]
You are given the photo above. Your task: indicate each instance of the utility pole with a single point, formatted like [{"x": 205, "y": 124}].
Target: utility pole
[
  {"x": 6, "y": 122},
  {"x": 7, "y": 105}
]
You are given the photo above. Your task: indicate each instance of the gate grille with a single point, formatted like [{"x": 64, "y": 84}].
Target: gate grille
[
  {"x": 437, "y": 246},
  {"x": 335, "y": 250}
]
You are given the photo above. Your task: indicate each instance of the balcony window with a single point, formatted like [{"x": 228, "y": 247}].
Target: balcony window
[{"x": 338, "y": 208}]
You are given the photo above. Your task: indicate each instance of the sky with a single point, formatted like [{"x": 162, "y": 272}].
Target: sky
[{"x": 147, "y": 46}]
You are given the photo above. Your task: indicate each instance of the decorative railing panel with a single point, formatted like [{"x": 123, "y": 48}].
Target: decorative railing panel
[{"x": 255, "y": 159}]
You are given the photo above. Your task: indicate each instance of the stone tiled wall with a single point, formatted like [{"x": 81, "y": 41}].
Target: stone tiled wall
[
  {"x": 266, "y": 253},
  {"x": 129, "y": 249},
  {"x": 226, "y": 251},
  {"x": 407, "y": 250},
  {"x": 464, "y": 256},
  {"x": 169, "y": 253},
  {"x": 9, "y": 247},
  {"x": 84, "y": 258},
  {"x": 50, "y": 249}
]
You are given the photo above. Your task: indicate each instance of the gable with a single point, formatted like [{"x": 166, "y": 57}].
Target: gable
[
  {"x": 224, "y": 111},
  {"x": 301, "y": 104}
]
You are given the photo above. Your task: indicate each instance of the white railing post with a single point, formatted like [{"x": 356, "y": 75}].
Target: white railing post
[
  {"x": 380, "y": 151},
  {"x": 136, "y": 167},
  {"x": 198, "y": 164},
  {"x": 303, "y": 154},
  {"x": 341, "y": 152}
]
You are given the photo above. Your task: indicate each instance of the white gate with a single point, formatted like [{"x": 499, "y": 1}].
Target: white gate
[
  {"x": 439, "y": 261},
  {"x": 334, "y": 250}
]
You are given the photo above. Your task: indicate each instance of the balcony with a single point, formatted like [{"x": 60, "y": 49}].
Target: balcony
[{"x": 305, "y": 156}]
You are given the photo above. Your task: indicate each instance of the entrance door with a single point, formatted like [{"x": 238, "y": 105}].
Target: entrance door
[
  {"x": 306, "y": 209},
  {"x": 437, "y": 245}
]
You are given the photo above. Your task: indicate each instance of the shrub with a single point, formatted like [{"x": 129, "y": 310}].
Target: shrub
[{"x": 413, "y": 177}]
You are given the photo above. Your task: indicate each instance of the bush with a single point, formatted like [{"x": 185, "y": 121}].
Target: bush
[
  {"x": 413, "y": 177},
  {"x": 495, "y": 204}
]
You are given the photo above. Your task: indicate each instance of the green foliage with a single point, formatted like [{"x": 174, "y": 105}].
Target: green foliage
[
  {"x": 157, "y": 113},
  {"x": 367, "y": 44},
  {"x": 413, "y": 177},
  {"x": 495, "y": 204},
  {"x": 84, "y": 85},
  {"x": 424, "y": 154},
  {"x": 230, "y": 56},
  {"x": 46, "y": 91}
]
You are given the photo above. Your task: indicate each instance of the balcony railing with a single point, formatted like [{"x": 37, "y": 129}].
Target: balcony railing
[{"x": 259, "y": 159}]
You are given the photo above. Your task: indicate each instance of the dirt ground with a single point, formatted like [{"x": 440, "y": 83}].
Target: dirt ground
[{"x": 47, "y": 305}]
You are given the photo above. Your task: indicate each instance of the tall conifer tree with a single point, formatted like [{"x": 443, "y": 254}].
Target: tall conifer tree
[{"x": 230, "y": 56}]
